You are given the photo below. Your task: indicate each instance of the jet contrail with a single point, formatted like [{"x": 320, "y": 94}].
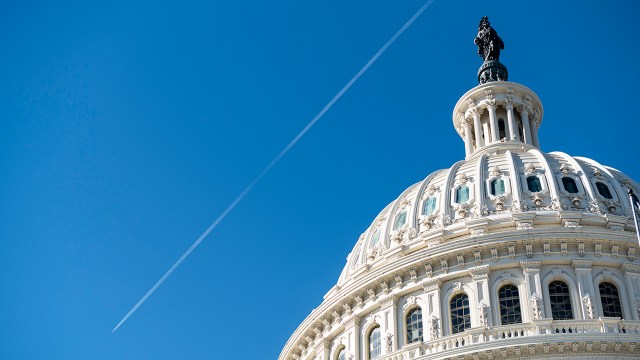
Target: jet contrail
[{"x": 272, "y": 164}]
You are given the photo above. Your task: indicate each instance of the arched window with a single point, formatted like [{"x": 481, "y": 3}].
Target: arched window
[
  {"x": 460, "y": 315},
  {"x": 375, "y": 343},
  {"x": 604, "y": 190},
  {"x": 462, "y": 194},
  {"x": 501, "y": 129},
  {"x": 429, "y": 205},
  {"x": 533, "y": 183},
  {"x": 401, "y": 219},
  {"x": 342, "y": 355},
  {"x": 560, "y": 300},
  {"x": 509, "y": 305},
  {"x": 570, "y": 185},
  {"x": 414, "y": 325},
  {"x": 610, "y": 300},
  {"x": 497, "y": 187}
]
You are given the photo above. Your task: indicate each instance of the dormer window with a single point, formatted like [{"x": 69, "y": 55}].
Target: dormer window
[
  {"x": 401, "y": 219},
  {"x": 533, "y": 184},
  {"x": 570, "y": 185},
  {"x": 429, "y": 205},
  {"x": 462, "y": 194},
  {"x": 604, "y": 190},
  {"x": 497, "y": 187}
]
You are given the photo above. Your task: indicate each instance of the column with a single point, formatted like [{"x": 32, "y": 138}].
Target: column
[
  {"x": 432, "y": 320},
  {"x": 487, "y": 133},
  {"x": 585, "y": 289},
  {"x": 352, "y": 328},
  {"x": 326, "y": 352},
  {"x": 632, "y": 278},
  {"x": 534, "y": 129},
  {"x": 468, "y": 141},
  {"x": 512, "y": 123},
  {"x": 494, "y": 124},
  {"x": 477, "y": 129},
  {"x": 527, "y": 129},
  {"x": 480, "y": 277},
  {"x": 389, "y": 311},
  {"x": 531, "y": 302}
]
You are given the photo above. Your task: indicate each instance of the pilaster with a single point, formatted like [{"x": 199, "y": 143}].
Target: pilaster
[{"x": 584, "y": 277}]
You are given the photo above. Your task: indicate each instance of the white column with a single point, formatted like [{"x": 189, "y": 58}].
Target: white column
[
  {"x": 527, "y": 129},
  {"x": 534, "y": 131},
  {"x": 532, "y": 302},
  {"x": 389, "y": 310},
  {"x": 327, "y": 350},
  {"x": 632, "y": 278},
  {"x": 477, "y": 129},
  {"x": 480, "y": 277},
  {"x": 487, "y": 133},
  {"x": 352, "y": 328},
  {"x": 432, "y": 320},
  {"x": 512, "y": 123},
  {"x": 468, "y": 141},
  {"x": 494, "y": 124},
  {"x": 585, "y": 289}
]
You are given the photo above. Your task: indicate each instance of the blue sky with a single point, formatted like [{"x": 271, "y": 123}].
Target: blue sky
[{"x": 128, "y": 127}]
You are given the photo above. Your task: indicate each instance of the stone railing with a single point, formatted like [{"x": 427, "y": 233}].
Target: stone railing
[{"x": 542, "y": 328}]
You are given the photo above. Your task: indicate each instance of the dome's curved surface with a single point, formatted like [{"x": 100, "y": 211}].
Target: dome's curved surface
[{"x": 496, "y": 185}]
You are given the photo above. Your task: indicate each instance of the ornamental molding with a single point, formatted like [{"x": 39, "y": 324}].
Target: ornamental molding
[
  {"x": 589, "y": 307},
  {"x": 431, "y": 284},
  {"x": 479, "y": 272},
  {"x": 630, "y": 268},
  {"x": 530, "y": 264},
  {"x": 387, "y": 301},
  {"x": 582, "y": 264}
]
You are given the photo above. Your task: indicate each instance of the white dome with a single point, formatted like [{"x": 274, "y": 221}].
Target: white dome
[
  {"x": 498, "y": 198},
  {"x": 510, "y": 253}
]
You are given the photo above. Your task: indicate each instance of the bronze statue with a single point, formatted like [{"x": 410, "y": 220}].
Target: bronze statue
[{"x": 488, "y": 41}]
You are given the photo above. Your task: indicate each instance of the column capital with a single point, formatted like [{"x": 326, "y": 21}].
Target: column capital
[
  {"x": 582, "y": 264},
  {"x": 479, "y": 272},
  {"x": 630, "y": 268},
  {"x": 388, "y": 301},
  {"x": 530, "y": 265},
  {"x": 430, "y": 284}
]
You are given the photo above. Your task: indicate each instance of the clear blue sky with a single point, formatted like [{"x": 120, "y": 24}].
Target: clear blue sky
[{"x": 128, "y": 126}]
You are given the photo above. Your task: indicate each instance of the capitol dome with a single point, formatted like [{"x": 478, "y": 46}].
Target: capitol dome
[{"x": 511, "y": 252}]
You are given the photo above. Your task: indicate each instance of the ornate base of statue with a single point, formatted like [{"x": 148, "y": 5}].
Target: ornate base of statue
[{"x": 492, "y": 70}]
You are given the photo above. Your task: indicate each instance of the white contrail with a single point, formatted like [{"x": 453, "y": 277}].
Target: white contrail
[{"x": 271, "y": 164}]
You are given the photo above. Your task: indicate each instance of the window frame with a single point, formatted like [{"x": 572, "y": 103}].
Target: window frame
[
  {"x": 407, "y": 313},
  {"x": 569, "y": 296},
  {"x": 517, "y": 297},
  {"x": 451, "y": 312},
  {"x": 369, "y": 347},
  {"x": 619, "y": 298}
]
